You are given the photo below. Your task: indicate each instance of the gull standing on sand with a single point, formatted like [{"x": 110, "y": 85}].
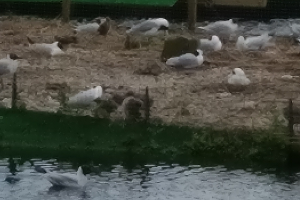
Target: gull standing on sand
[
  {"x": 89, "y": 28},
  {"x": 237, "y": 77},
  {"x": 150, "y": 27},
  {"x": 8, "y": 66},
  {"x": 214, "y": 44},
  {"x": 86, "y": 98},
  {"x": 46, "y": 49},
  {"x": 295, "y": 30},
  {"x": 253, "y": 43},
  {"x": 223, "y": 29},
  {"x": 186, "y": 61},
  {"x": 104, "y": 27},
  {"x": 67, "y": 179}
]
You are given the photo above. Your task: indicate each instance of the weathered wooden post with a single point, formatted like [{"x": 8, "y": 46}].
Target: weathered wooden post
[
  {"x": 66, "y": 10},
  {"x": 192, "y": 14},
  {"x": 147, "y": 105},
  {"x": 291, "y": 118},
  {"x": 14, "y": 92}
]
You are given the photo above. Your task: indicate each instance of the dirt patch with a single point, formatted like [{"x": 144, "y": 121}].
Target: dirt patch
[{"x": 198, "y": 97}]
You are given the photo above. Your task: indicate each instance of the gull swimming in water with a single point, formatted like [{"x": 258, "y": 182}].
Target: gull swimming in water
[
  {"x": 237, "y": 77},
  {"x": 210, "y": 45},
  {"x": 8, "y": 66},
  {"x": 188, "y": 60},
  {"x": 86, "y": 98},
  {"x": 253, "y": 43},
  {"x": 150, "y": 27},
  {"x": 53, "y": 49},
  {"x": 222, "y": 29},
  {"x": 67, "y": 179}
]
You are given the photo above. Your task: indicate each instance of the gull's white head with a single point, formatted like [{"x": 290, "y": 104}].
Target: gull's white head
[
  {"x": 240, "y": 43},
  {"x": 215, "y": 38},
  {"x": 163, "y": 25},
  {"x": 162, "y": 22},
  {"x": 238, "y": 72},
  {"x": 217, "y": 43},
  {"x": 98, "y": 92}
]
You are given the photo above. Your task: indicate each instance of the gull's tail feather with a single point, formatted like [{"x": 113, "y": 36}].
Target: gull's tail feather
[
  {"x": 82, "y": 179},
  {"x": 172, "y": 62},
  {"x": 202, "y": 27}
]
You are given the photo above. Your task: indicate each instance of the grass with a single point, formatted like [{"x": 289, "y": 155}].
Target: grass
[{"x": 44, "y": 135}]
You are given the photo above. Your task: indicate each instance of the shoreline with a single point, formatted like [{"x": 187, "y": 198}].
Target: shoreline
[{"x": 45, "y": 135}]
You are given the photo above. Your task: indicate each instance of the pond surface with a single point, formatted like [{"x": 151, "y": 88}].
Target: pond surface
[{"x": 147, "y": 182}]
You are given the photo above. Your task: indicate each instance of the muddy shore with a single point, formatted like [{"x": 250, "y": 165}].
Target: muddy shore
[{"x": 197, "y": 97}]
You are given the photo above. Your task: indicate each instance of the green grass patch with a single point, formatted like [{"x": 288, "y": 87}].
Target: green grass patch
[{"x": 44, "y": 135}]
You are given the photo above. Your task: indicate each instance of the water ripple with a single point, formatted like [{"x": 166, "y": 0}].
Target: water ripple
[{"x": 148, "y": 182}]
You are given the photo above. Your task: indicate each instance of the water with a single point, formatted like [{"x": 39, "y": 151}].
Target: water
[{"x": 148, "y": 182}]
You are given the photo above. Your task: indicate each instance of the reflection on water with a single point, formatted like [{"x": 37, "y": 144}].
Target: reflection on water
[{"x": 146, "y": 182}]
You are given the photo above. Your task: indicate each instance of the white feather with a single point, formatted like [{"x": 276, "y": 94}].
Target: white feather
[
  {"x": 211, "y": 45},
  {"x": 87, "y": 28},
  {"x": 187, "y": 60},
  {"x": 238, "y": 77},
  {"x": 85, "y": 98},
  {"x": 67, "y": 179},
  {"x": 46, "y": 49},
  {"x": 295, "y": 29},
  {"x": 253, "y": 43},
  {"x": 221, "y": 28},
  {"x": 149, "y": 27},
  {"x": 8, "y": 66}
]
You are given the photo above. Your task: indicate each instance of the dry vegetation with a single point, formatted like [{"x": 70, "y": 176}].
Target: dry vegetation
[{"x": 197, "y": 97}]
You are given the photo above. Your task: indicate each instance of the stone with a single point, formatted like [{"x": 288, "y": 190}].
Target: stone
[
  {"x": 66, "y": 39},
  {"x": 224, "y": 94},
  {"x": 178, "y": 45},
  {"x": 132, "y": 43},
  {"x": 151, "y": 68},
  {"x": 7, "y": 32},
  {"x": 185, "y": 112}
]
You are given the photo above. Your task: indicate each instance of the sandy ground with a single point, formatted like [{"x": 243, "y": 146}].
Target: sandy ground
[{"x": 197, "y": 97}]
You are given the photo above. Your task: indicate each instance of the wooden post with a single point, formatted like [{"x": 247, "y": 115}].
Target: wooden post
[
  {"x": 14, "y": 92},
  {"x": 147, "y": 105},
  {"x": 66, "y": 9},
  {"x": 192, "y": 14},
  {"x": 291, "y": 117}
]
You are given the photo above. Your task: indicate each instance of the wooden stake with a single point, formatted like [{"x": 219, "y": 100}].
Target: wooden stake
[
  {"x": 147, "y": 105},
  {"x": 14, "y": 92},
  {"x": 291, "y": 117},
  {"x": 192, "y": 14},
  {"x": 66, "y": 9}
]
